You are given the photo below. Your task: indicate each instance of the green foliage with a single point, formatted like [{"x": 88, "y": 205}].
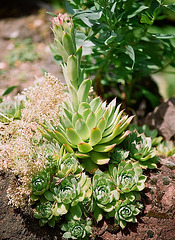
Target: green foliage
[
  {"x": 77, "y": 229},
  {"x": 10, "y": 110},
  {"x": 122, "y": 46},
  {"x": 166, "y": 148},
  {"x": 97, "y": 169},
  {"x": 126, "y": 212},
  {"x": 140, "y": 148}
]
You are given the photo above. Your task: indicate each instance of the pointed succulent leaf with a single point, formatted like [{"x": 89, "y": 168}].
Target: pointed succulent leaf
[
  {"x": 84, "y": 147},
  {"x": 66, "y": 122},
  {"x": 83, "y": 106},
  {"x": 102, "y": 124},
  {"x": 61, "y": 138},
  {"x": 81, "y": 155},
  {"x": 72, "y": 69},
  {"x": 99, "y": 158},
  {"x": 111, "y": 127},
  {"x": 82, "y": 129},
  {"x": 95, "y": 103},
  {"x": 73, "y": 136},
  {"x": 86, "y": 112},
  {"x": 112, "y": 135},
  {"x": 83, "y": 90},
  {"x": 89, "y": 165},
  {"x": 103, "y": 147},
  {"x": 68, "y": 43},
  {"x": 68, "y": 114},
  {"x": 74, "y": 97},
  {"x": 91, "y": 120},
  {"x": 61, "y": 50},
  {"x": 79, "y": 54},
  {"x": 120, "y": 138},
  {"x": 95, "y": 136},
  {"x": 75, "y": 117},
  {"x": 68, "y": 148}
]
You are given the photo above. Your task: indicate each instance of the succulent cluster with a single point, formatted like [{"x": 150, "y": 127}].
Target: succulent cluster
[
  {"x": 94, "y": 165},
  {"x": 97, "y": 169}
]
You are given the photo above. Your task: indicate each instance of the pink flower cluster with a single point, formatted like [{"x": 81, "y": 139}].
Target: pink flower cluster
[{"x": 61, "y": 19}]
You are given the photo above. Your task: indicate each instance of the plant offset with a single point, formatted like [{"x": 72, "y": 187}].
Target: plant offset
[{"x": 83, "y": 164}]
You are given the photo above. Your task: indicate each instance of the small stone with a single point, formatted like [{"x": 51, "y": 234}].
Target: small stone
[{"x": 150, "y": 233}]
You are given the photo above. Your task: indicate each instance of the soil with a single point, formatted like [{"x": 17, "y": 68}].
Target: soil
[{"x": 157, "y": 221}]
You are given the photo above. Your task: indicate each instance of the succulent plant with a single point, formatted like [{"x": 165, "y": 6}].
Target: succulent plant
[
  {"x": 126, "y": 212},
  {"x": 105, "y": 194},
  {"x": 10, "y": 110},
  {"x": 88, "y": 126},
  {"x": 127, "y": 176},
  {"x": 141, "y": 149},
  {"x": 67, "y": 163},
  {"x": 40, "y": 182},
  {"x": 44, "y": 214},
  {"x": 118, "y": 154},
  {"x": 166, "y": 148},
  {"x": 148, "y": 133},
  {"x": 80, "y": 229},
  {"x": 68, "y": 191}
]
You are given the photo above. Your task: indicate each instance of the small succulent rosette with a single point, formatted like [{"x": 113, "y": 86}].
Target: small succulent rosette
[
  {"x": 77, "y": 229},
  {"x": 44, "y": 213},
  {"x": 140, "y": 148},
  {"x": 126, "y": 211},
  {"x": 128, "y": 178},
  {"x": 105, "y": 195},
  {"x": 68, "y": 192}
]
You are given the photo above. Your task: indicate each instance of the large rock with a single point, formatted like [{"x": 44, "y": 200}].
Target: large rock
[{"x": 163, "y": 119}]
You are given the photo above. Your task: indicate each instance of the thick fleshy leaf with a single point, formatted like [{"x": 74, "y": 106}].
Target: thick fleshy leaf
[
  {"x": 120, "y": 138},
  {"x": 81, "y": 155},
  {"x": 104, "y": 147},
  {"x": 61, "y": 50},
  {"x": 74, "y": 97},
  {"x": 75, "y": 117},
  {"x": 84, "y": 147},
  {"x": 72, "y": 69},
  {"x": 83, "y": 90},
  {"x": 48, "y": 195},
  {"x": 76, "y": 212},
  {"x": 82, "y": 129},
  {"x": 66, "y": 122},
  {"x": 95, "y": 103},
  {"x": 89, "y": 165},
  {"x": 68, "y": 43},
  {"x": 83, "y": 106},
  {"x": 60, "y": 209},
  {"x": 102, "y": 124},
  {"x": 112, "y": 135},
  {"x": 95, "y": 136},
  {"x": 99, "y": 158},
  {"x": 91, "y": 120},
  {"x": 73, "y": 137},
  {"x": 61, "y": 138},
  {"x": 85, "y": 113},
  {"x": 68, "y": 148}
]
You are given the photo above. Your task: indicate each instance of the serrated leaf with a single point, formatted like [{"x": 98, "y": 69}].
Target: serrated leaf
[
  {"x": 95, "y": 136},
  {"x": 84, "y": 147}
]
